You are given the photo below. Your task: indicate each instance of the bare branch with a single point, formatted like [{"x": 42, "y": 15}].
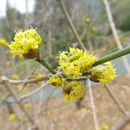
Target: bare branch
[
  {"x": 71, "y": 24},
  {"x": 33, "y": 92},
  {"x": 115, "y": 34},
  {"x": 14, "y": 95},
  {"x": 115, "y": 99},
  {"x": 121, "y": 123},
  {"x": 92, "y": 104},
  {"x": 5, "y": 79}
]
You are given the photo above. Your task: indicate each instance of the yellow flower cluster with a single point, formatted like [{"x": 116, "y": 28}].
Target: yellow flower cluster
[
  {"x": 15, "y": 77},
  {"x": 28, "y": 105},
  {"x": 24, "y": 42},
  {"x": 76, "y": 62},
  {"x": 88, "y": 20},
  {"x": 104, "y": 73},
  {"x": 73, "y": 90},
  {"x": 48, "y": 113},
  {"x": 13, "y": 117},
  {"x": 57, "y": 81},
  {"x": 94, "y": 29},
  {"x": 104, "y": 127},
  {"x": 8, "y": 63},
  {"x": 21, "y": 91},
  {"x": 38, "y": 75},
  {"x": 3, "y": 42}
]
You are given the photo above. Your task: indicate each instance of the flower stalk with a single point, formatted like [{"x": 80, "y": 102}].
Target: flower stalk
[{"x": 42, "y": 61}]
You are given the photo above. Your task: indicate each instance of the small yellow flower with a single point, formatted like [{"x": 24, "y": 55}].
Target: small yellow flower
[
  {"x": 28, "y": 105},
  {"x": 88, "y": 20},
  {"x": 8, "y": 63},
  {"x": 13, "y": 117},
  {"x": 3, "y": 42},
  {"x": 104, "y": 73},
  {"x": 59, "y": 118},
  {"x": 20, "y": 89},
  {"x": 111, "y": 41},
  {"x": 104, "y": 127},
  {"x": 15, "y": 77},
  {"x": 37, "y": 75},
  {"x": 94, "y": 29},
  {"x": 25, "y": 42},
  {"x": 23, "y": 115},
  {"x": 73, "y": 91},
  {"x": 76, "y": 62},
  {"x": 57, "y": 81},
  {"x": 23, "y": 90},
  {"x": 49, "y": 113}
]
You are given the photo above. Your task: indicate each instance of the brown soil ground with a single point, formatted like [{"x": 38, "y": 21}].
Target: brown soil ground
[{"x": 61, "y": 116}]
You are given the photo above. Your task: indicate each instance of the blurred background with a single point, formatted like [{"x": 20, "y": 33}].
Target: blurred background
[{"x": 48, "y": 108}]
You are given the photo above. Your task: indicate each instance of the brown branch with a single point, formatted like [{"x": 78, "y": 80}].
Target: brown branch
[
  {"x": 115, "y": 99},
  {"x": 121, "y": 123},
  {"x": 71, "y": 24},
  {"x": 115, "y": 34},
  {"x": 28, "y": 78},
  {"x": 5, "y": 79},
  {"x": 93, "y": 106},
  {"x": 33, "y": 92},
  {"x": 14, "y": 95}
]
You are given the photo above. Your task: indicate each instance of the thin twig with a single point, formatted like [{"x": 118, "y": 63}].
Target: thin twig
[
  {"x": 71, "y": 24},
  {"x": 33, "y": 92},
  {"x": 115, "y": 99},
  {"x": 14, "y": 95},
  {"x": 121, "y": 123},
  {"x": 24, "y": 84},
  {"x": 92, "y": 104},
  {"x": 49, "y": 96},
  {"x": 114, "y": 31},
  {"x": 5, "y": 79}
]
